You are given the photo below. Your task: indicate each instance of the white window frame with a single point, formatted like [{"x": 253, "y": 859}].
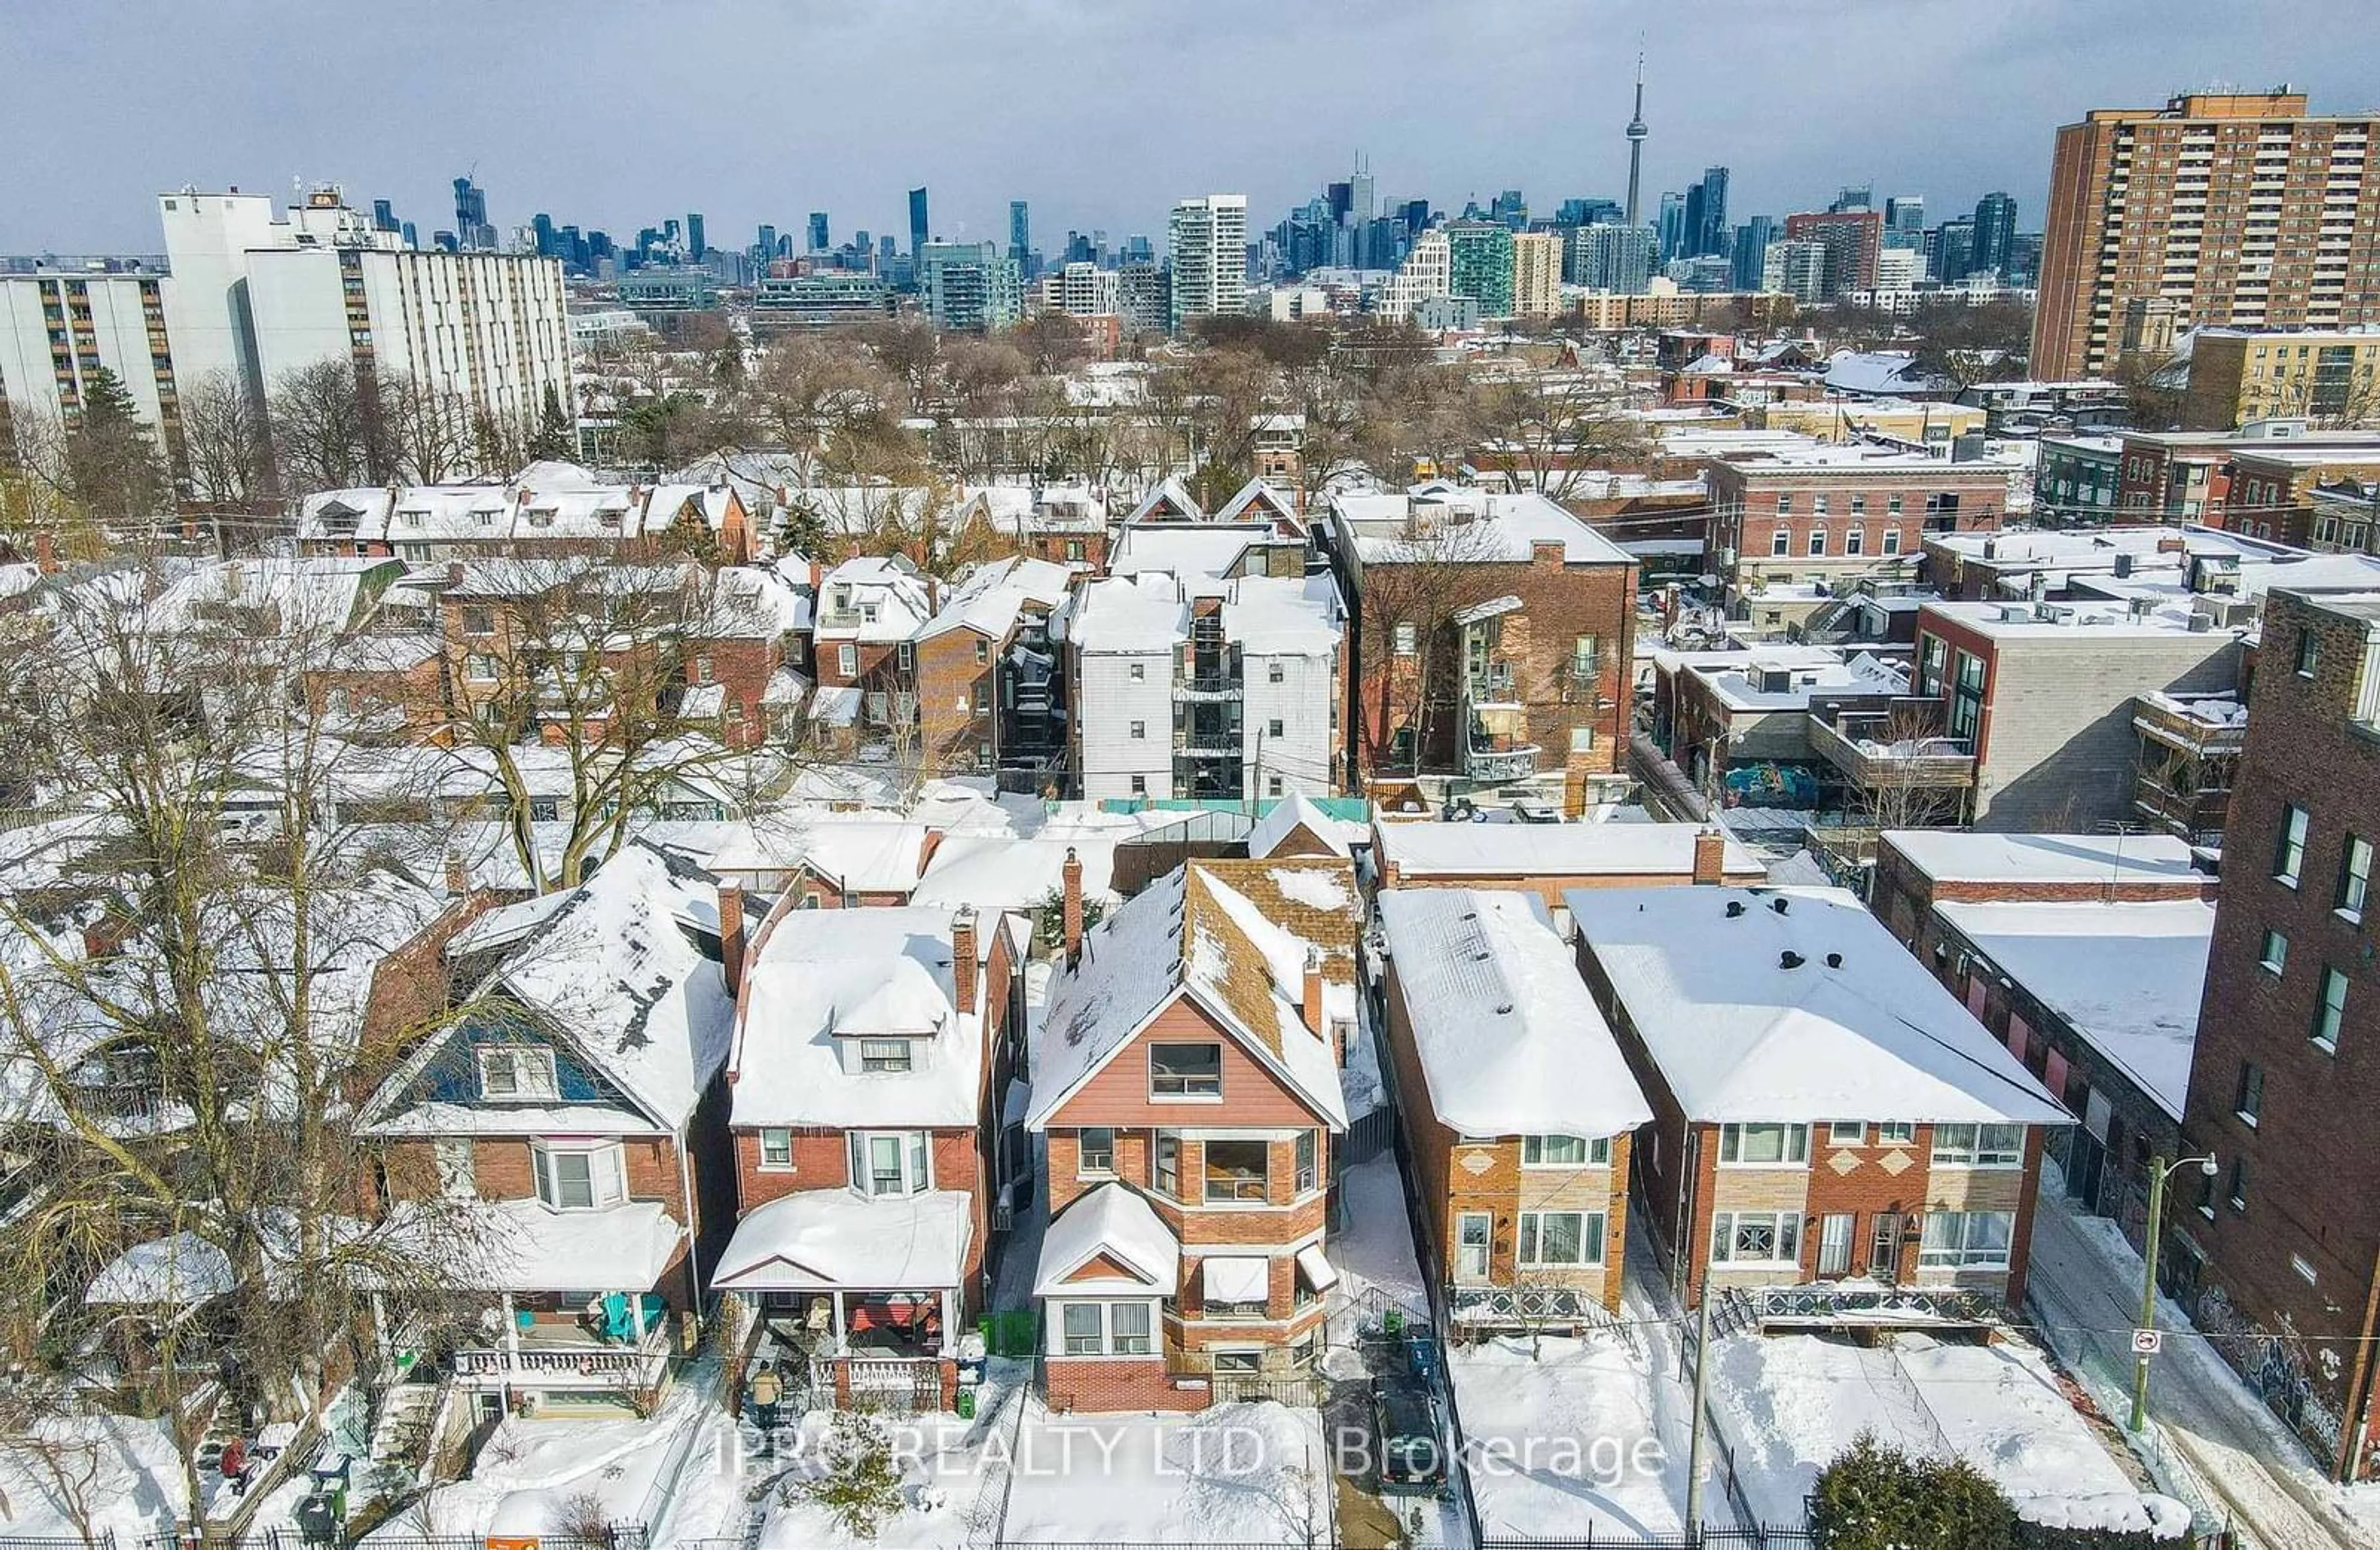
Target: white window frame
[
  {"x": 532, "y": 1077},
  {"x": 1964, "y": 1254},
  {"x": 1965, "y": 1147},
  {"x": 917, "y": 1158},
  {"x": 2355, "y": 859},
  {"x": 2288, "y": 857},
  {"x": 1084, "y": 1166},
  {"x": 607, "y": 1173},
  {"x": 846, "y": 660},
  {"x": 1847, "y": 1132},
  {"x": 1595, "y": 1151},
  {"x": 1529, "y": 1240},
  {"x": 2329, "y": 1016},
  {"x": 2273, "y": 953},
  {"x": 1793, "y": 1143},
  {"x": 1185, "y": 1095},
  {"x": 888, "y": 1057},
  {"x": 1896, "y": 1133},
  {"x": 1785, "y": 1229},
  {"x": 776, "y": 1149}
]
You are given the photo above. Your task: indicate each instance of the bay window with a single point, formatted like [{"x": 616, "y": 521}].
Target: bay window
[
  {"x": 1105, "y": 1329},
  {"x": 1978, "y": 1146},
  {"x": 579, "y": 1176},
  {"x": 889, "y": 1162}
]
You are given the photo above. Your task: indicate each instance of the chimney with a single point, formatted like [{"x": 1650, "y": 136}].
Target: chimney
[
  {"x": 1073, "y": 917},
  {"x": 1310, "y": 1004},
  {"x": 1710, "y": 856},
  {"x": 731, "y": 934},
  {"x": 45, "y": 551},
  {"x": 963, "y": 960},
  {"x": 458, "y": 879},
  {"x": 1548, "y": 552}
]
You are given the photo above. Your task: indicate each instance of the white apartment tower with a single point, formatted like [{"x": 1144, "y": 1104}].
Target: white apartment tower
[
  {"x": 1084, "y": 290},
  {"x": 1207, "y": 242},
  {"x": 58, "y": 331},
  {"x": 1428, "y": 270}
]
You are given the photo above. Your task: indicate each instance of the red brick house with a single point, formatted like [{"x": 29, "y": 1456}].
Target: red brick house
[
  {"x": 1187, "y": 1079},
  {"x": 861, "y": 1121}
]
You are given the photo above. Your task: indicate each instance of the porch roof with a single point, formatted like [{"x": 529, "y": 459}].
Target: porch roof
[
  {"x": 825, "y": 1239},
  {"x": 620, "y": 1248}
]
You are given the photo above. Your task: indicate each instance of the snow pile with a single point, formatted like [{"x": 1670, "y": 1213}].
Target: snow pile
[
  {"x": 1246, "y": 1473},
  {"x": 1373, "y": 1247},
  {"x": 1569, "y": 1438},
  {"x": 119, "y": 1472}
]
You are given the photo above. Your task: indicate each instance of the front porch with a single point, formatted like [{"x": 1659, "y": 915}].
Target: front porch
[{"x": 550, "y": 1342}]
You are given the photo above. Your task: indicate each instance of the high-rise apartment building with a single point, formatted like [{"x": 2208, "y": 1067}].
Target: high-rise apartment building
[
  {"x": 1479, "y": 254},
  {"x": 472, "y": 231},
  {"x": 1537, "y": 274},
  {"x": 919, "y": 228},
  {"x": 1612, "y": 258},
  {"x": 2242, "y": 209},
  {"x": 1996, "y": 232},
  {"x": 1083, "y": 289},
  {"x": 819, "y": 242},
  {"x": 969, "y": 287},
  {"x": 59, "y": 330},
  {"x": 1706, "y": 217},
  {"x": 1207, "y": 243},
  {"x": 1427, "y": 272},
  {"x": 695, "y": 246},
  {"x": 1144, "y": 298},
  {"x": 1852, "y": 237},
  {"x": 1020, "y": 231},
  {"x": 1749, "y": 261}
]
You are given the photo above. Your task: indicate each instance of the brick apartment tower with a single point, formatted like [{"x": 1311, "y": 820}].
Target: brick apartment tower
[
  {"x": 2286, "y": 1070},
  {"x": 2236, "y": 209}
]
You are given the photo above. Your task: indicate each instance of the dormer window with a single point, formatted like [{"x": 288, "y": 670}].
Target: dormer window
[
  {"x": 885, "y": 1055},
  {"x": 517, "y": 1073}
]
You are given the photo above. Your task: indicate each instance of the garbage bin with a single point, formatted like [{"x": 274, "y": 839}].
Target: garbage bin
[{"x": 967, "y": 1404}]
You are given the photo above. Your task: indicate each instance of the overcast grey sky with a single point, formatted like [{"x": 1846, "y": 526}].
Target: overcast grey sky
[{"x": 1101, "y": 112}]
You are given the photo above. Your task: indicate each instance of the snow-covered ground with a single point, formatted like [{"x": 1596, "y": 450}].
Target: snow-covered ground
[
  {"x": 1565, "y": 1438},
  {"x": 1790, "y": 1404},
  {"x": 120, "y": 1474},
  {"x": 1250, "y": 1473},
  {"x": 1373, "y": 1247}
]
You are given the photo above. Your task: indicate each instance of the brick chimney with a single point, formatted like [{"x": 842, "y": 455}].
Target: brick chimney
[
  {"x": 731, "y": 934},
  {"x": 1710, "y": 856},
  {"x": 1548, "y": 552},
  {"x": 458, "y": 877},
  {"x": 45, "y": 553},
  {"x": 1073, "y": 872},
  {"x": 964, "y": 963},
  {"x": 1310, "y": 1004}
]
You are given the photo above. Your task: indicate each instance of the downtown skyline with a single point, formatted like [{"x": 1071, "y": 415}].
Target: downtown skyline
[{"x": 972, "y": 123}]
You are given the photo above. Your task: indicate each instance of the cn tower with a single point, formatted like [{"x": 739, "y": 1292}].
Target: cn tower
[{"x": 1636, "y": 133}]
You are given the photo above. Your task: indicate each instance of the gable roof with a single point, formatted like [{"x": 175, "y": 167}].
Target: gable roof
[
  {"x": 1234, "y": 936},
  {"x": 1114, "y": 1224},
  {"x": 1291, "y": 813},
  {"x": 1259, "y": 501},
  {"x": 1738, "y": 1033},
  {"x": 1168, "y": 503},
  {"x": 1509, "y": 1040}
]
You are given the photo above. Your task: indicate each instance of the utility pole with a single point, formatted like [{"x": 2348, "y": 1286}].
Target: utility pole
[
  {"x": 1702, "y": 1390},
  {"x": 2143, "y": 1338}
]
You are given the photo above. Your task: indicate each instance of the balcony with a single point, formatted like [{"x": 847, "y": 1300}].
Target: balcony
[
  {"x": 560, "y": 1356},
  {"x": 1875, "y": 751},
  {"x": 2201, "y": 725},
  {"x": 1209, "y": 687}
]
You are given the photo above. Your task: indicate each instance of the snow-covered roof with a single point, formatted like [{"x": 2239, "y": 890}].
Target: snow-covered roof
[
  {"x": 1441, "y": 525},
  {"x": 1129, "y": 615},
  {"x": 2125, "y": 976},
  {"x": 1006, "y": 872},
  {"x": 864, "y": 855},
  {"x": 1234, "y": 936},
  {"x": 1749, "y": 1018},
  {"x": 1168, "y": 502},
  {"x": 1294, "y": 811},
  {"x": 1509, "y": 1040},
  {"x": 1113, "y": 1223},
  {"x": 988, "y": 599},
  {"x": 817, "y": 1240},
  {"x": 871, "y": 600},
  {"x": 1429, "y": 848},
  {"x": 820, "y": 975},
  {"x": 2129, "y": 860},
  {"x": 1277, "y": 616},
  {"x": 620, "y": 1248},
  {"x": 1258, "y": 502},
  {"x": 1200, "y": 551}
]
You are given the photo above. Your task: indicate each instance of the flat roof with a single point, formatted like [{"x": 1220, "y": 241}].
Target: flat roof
[{"x": 1955, "y": 856}]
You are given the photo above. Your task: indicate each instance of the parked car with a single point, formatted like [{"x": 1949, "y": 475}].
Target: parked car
[{"x": 1412, "y": 1440}]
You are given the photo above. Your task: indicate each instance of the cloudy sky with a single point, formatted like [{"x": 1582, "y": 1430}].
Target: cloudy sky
[{"x": 1101, "y": 112}]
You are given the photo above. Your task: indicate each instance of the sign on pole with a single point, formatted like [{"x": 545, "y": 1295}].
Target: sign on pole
[{"x": 2147, "y": 1342}]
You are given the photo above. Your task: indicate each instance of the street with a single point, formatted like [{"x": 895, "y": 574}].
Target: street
[{"x": 2243, "y": 1458}]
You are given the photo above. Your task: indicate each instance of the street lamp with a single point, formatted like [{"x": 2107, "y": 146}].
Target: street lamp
[{"x": 2143, "y": 1339}]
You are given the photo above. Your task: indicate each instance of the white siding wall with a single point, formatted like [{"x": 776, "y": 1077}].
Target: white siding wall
[
  {"x": 1106, "y": 702},
  {"x": 1301, "y": 702},
  {"x": 27, "y": 376}
]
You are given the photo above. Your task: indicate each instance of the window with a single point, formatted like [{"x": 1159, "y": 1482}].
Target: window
[
  {"x": 578, "y": 1178},
  {"x": 1084, "y": 1334},
  {"x": 2238, "y": 1192},
  {"x": 1820, "y": 504},
  {"x": 1243, "y": 1362},
  {"x": 2248, "y": 1101},
  {"x": 1859, "y": 505},
  {"x": 457, "y": 1166},
  {"x": 982, "y": 652},
  {"x": 1273, "y": 727},
  {"x": 1140, "y": 731},
  {"x": 982, "y": 698},
  {"x": 479, "y": 667},
  {"x": 1892, "y": 505},
  {"x": 1757, "y": 1238},
  {"x": 1784, "y": 502},
  {"x": 1565, "y": 1151},
  {"x": 2288, "y": 856},
  {"x": 1139, "y": 671},
  {"x": 846, "y": 660},
  {"x": 1780, "y": 542},
  {"x": 1817, "y": 540},
  {"x": 1140, "y": 785},
  {"x": 1892, "y": 537},
  {"x": 2304, "y": 1267},
  {"x": 1931, "y": 656},
  {"x": 2354, "y": 878},
  {"x": 1095, "y": 1153},
  {"x": 702, "y": 673},
  {"x": 1404, "y": 638},
  {"x": 1272, "y": 785},
  {"x": 1561, "y": 1237},
  {"x": 1309, "y": 1160},
  {"x": 1967, "y": 1240},
  {"x": 1128, "y": 1329},
  {"x": 884, "y": 1054},
  {"x": 515, "y": 1071},
  {"x": 1273, "y": 672},
  {"x": 1978, "y": 1146},
  {"x": 1585, "y": 658},
  {"x": 479, "y": 621},
  {"x": 1967, "y": 697},
  {"x": 1847, "y": 1132},
  {"x": 776, "y": 1149},
  {"x": 1764, "y": 1145},
  {"x": 2330, "y": 1010},
  {"x": 889, "y": 1162},
  {"x": 1896, "y": 1133},
  {"x": 1855, "y": 541},
  {"x": 1238, "y": 1170},
  {"x": 2274, "y": 957},
  {"x": 1074, "y": 549},
  {"x": 2309, "y": 653},
  {"x": 1186, "y": 1071},
  {"x": 1168, "y": 1166}
]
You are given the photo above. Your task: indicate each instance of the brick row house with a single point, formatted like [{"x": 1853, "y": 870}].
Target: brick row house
[
  {"x": 1517, "y": 1105},
  {"x": 1186, "y": 1080},
  {"x": 548, "y": 509},
  {"x": 1824, "y": 1110},
  {"x": 862, "y": 1119},
  {"x": 985, "y": 674},
  {"x": 576, "y": 1091}
]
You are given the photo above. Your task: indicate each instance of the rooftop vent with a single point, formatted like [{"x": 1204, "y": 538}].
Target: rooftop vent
[
  {"x": 1734, "y": 908},
  {"x": 1834, "y": 961},
  {"x": 1788, "y": 959},
  {"x": 1778, "y": 905}
]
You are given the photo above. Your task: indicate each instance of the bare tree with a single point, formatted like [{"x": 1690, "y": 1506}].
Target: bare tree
[
  {"x": 320, "y": 429},
  {"x": 229, "y": 448},
  {"x": 1546, "y": 434},
  {"x": 1902, "y": 797},
  {"x": 427, "y": 431},
  {"x": 1411, "y": 586}
]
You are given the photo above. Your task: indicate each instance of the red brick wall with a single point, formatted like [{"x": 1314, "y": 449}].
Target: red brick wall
[
  {"x": 1116, "y": 1383},
  {"x": 1117, "y": 1094},
  {"x": 948, "y": 678}
]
